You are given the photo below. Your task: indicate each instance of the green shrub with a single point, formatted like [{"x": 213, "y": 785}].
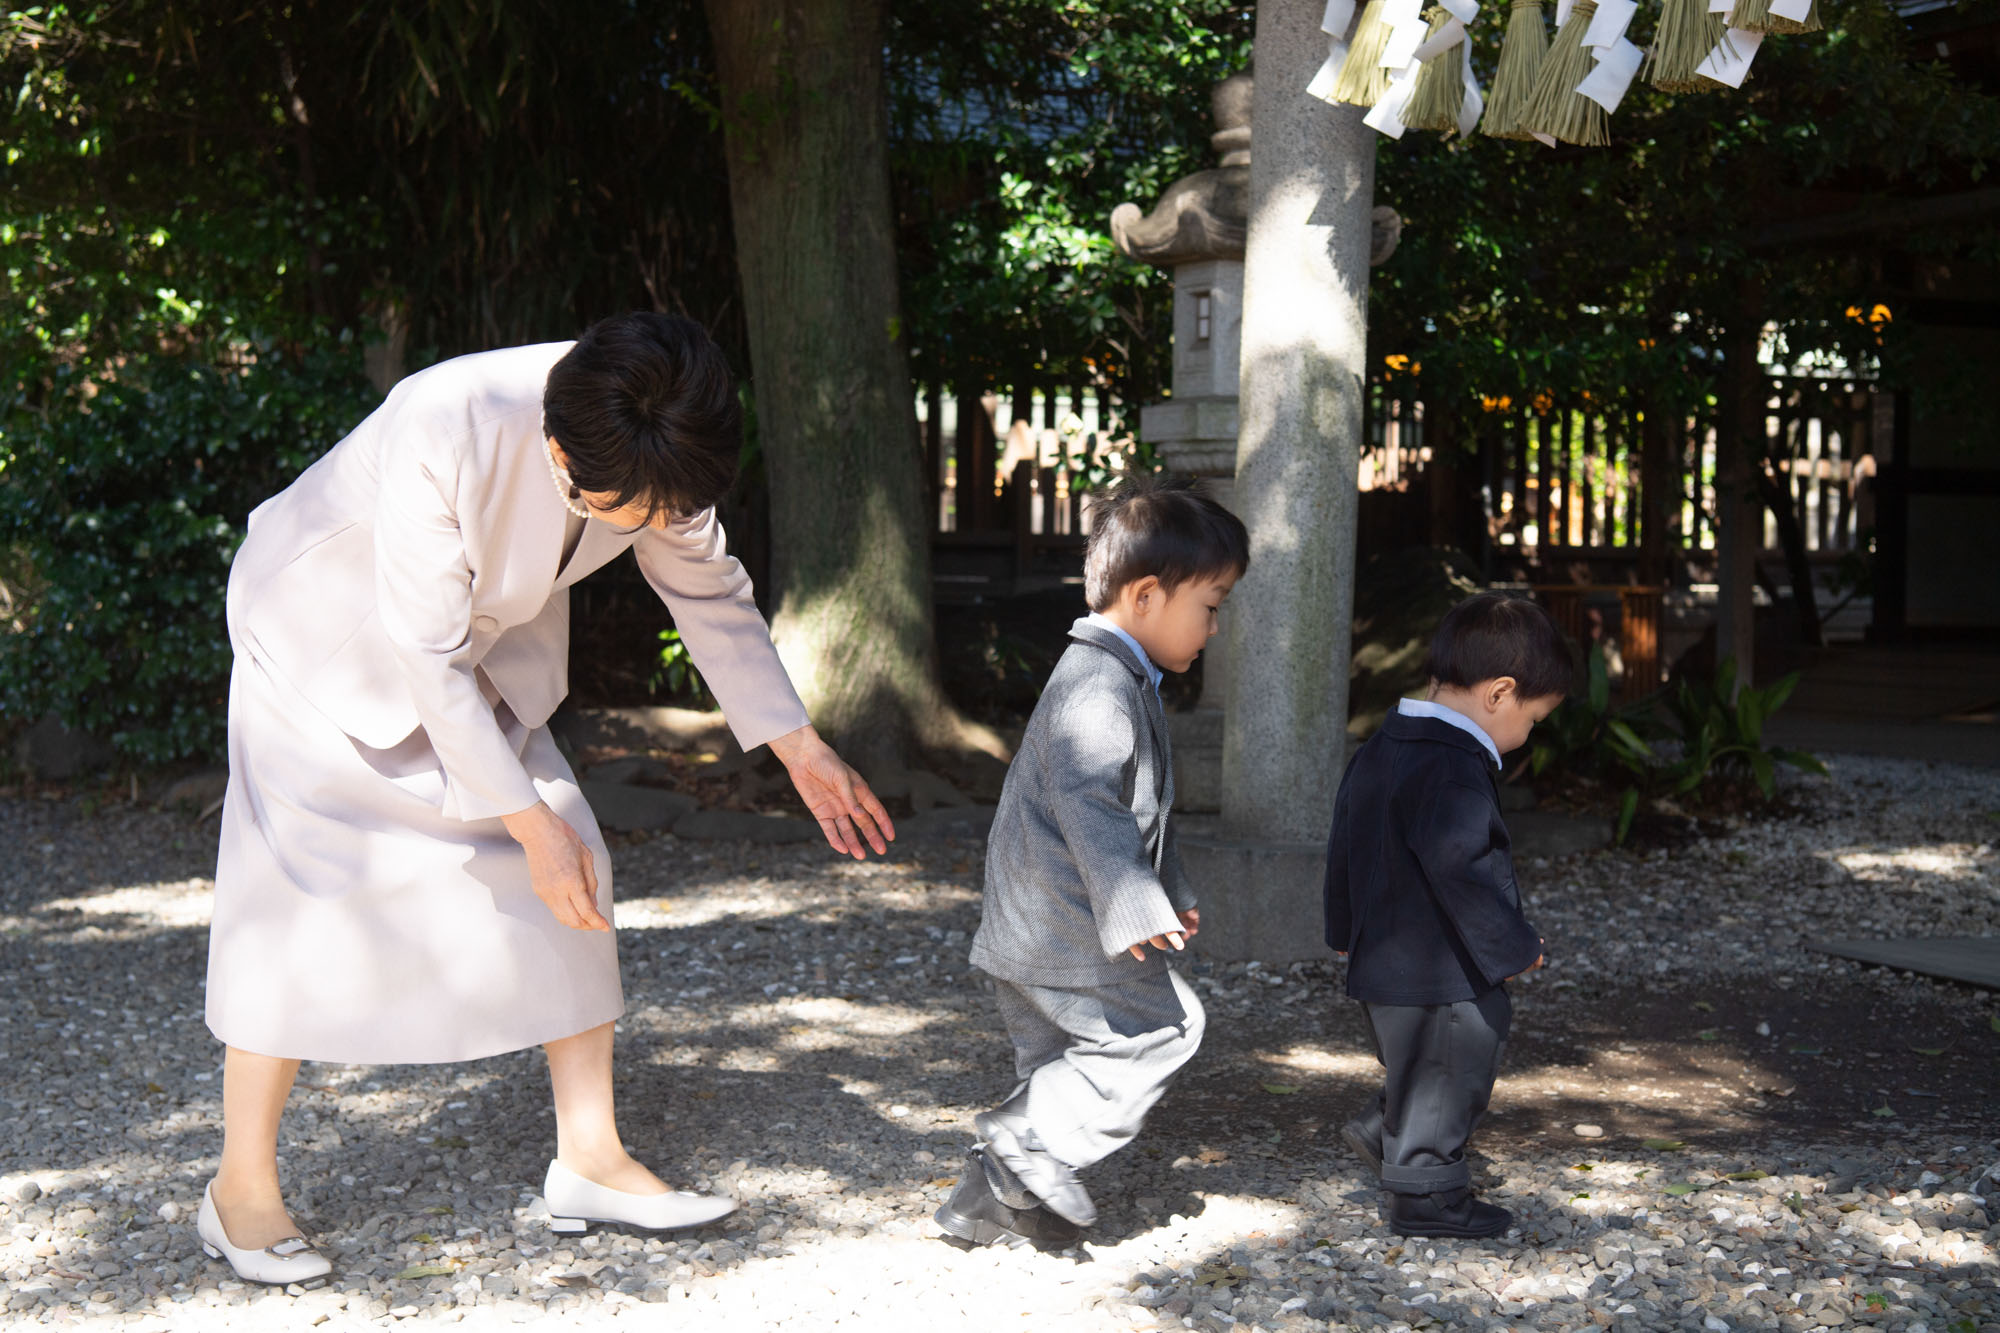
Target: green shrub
[
  {"x": 121, "y": 505},
  {"x": 1720, "y": 739},
  {"x": 675, "y": 671},
  {"x": 1723, "y": 739}
]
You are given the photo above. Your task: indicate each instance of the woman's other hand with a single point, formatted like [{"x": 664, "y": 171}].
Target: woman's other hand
[
  {"x": 560, "y": 866},
  {"x": 837, "y": 796}
]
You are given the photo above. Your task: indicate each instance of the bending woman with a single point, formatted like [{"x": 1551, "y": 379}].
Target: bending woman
[{"x": 408, "y": 871}]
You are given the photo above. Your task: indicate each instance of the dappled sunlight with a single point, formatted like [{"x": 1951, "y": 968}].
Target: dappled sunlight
[
  {"x": 1316, "y": 1060},
  {"x": 1910, "y": 865},
  {"x": 805, "y": 1034},
  {"x": 118, "y": 912}
]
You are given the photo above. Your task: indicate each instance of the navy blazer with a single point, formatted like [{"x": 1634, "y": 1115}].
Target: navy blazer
[{"x": 1420, "y": 890}]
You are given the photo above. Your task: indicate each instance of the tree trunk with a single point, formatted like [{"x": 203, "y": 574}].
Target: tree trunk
[
  {"x": 1777, "y": 497},
  {"x": 806, "y": 126},
  {"x": 1739, "y": 448}
]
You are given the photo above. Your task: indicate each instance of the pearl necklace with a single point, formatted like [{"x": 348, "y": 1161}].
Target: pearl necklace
[{"x": 565, "y": 487}]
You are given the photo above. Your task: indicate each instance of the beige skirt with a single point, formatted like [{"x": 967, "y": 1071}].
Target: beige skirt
[{"x": 355, "y": 923}]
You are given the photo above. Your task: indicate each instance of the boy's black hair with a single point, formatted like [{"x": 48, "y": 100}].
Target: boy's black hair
[
  {"x": 645, "y": 408},
  {"x": 1492, "y": 634},
  {"x": 1162, "y": 526}
]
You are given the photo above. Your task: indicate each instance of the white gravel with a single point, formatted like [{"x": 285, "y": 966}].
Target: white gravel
[{"x": 804, "y": 1033}]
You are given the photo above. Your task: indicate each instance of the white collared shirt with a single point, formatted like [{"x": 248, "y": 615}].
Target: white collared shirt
[
  {"x": 1425, "y": 708},
  {"x": 1105, "y": 622}
]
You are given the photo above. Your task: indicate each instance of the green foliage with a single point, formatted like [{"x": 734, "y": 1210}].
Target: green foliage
[
  {"x": 1014, "y": 137},
  {"x": 481, "y": 174},
  {"x": 1722, "y": 739},
  {"x": 1587, "y": 737},
  {"x": 126, "y": 500},
  {"x": 675, "y": 671},
  {"x": 1715, "y": 744}
]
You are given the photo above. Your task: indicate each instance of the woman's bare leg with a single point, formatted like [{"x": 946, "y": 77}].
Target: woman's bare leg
[
  {"x": 254, "y": 1089},
  {"x": 587, "y": 1139}
]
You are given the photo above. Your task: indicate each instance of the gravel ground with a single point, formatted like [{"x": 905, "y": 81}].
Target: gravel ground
[{"x": 804, "y": 1033}]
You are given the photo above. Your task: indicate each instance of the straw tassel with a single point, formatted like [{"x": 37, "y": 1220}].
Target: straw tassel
[
  {"x": 1687, "y": 33},
  {"x": 1362, "y": 78},
  {"x": 1756, "y": 16},
  {"x": 1781, "y": 24},
  {"x": 1440, "y": 89},
  {"x": 1555, "y": 108},
  {"x": 1521, "y": 53}
]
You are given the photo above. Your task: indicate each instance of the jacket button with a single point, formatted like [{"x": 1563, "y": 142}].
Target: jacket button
[{"x": 485, "y": 624}]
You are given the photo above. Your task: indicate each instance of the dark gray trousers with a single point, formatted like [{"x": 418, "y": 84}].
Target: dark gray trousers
[
  {"x": 1093, "y": 1060},
  {"x": 1439, "y": 1063}
]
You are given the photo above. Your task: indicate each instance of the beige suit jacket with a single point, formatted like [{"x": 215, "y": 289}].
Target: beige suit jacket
[{"x": 422, "y": 552}]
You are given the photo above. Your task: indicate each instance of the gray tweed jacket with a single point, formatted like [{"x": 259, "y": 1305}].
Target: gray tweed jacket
[{"x": 1080, "y": 863}]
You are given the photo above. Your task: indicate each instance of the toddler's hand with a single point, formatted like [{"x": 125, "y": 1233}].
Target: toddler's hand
[
  {"x": 1172, "y": 939},
  {"x": 1190, "y": 921}
]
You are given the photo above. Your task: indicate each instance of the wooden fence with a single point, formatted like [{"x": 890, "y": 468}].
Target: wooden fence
[
  {"x": 1557, "y": 483},
  {"x": 1008, "y": 471}
]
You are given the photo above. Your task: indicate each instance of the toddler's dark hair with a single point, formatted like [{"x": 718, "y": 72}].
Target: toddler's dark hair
[
  {"x": 1162, "y": 526},
  {"x": 1492, "y": 634},
  {"x": 645, "y": 408}
]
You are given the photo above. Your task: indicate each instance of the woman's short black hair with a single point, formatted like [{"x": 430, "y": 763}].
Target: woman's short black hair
[
  {"x": 1162, "y": 526},
  {"x": 1492, "y": 634},
  {"x": 645, "y": 409}
]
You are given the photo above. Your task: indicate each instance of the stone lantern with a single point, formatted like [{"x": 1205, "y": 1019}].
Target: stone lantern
[{"x": 1197, "y": 230}]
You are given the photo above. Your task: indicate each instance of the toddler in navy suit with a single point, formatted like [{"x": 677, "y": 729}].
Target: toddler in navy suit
[{"x": 1421, "y": 899}]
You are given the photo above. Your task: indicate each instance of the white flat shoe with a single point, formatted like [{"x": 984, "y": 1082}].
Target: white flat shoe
[
  {"x": 574, "y": 1203},
  {"x": 292, "y": 1259}
]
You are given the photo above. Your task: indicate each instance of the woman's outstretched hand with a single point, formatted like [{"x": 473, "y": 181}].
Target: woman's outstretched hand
[
  {"x": 837, "y": 796},
  {"x": 560, "y": 866}
]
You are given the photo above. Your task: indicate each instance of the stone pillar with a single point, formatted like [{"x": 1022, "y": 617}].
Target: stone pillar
[{"x": 1304, "y": 346}]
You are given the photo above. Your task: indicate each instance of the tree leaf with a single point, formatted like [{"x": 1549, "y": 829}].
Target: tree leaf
[
  {"x": 1680, "y": 1189},
  {"x": 1884, "y": 1112},
  {"x": 1928, "y": 1050},
  {"x": 416, "y": 1272},
  {"x": 1704, "y": 1006},
  {"x": 1280, "y": 1089},
  {"x": 1663, "y": 1145},
  {"x": 1752, "y": 1174}
]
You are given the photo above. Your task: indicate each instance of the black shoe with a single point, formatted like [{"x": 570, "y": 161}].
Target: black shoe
[
  {"x": 1054, "y": 1182},
  {"x": 1451, "y": 1213},
  {"x": 1367, "y": 1149},
  {"x": 975, "y": 1216}
]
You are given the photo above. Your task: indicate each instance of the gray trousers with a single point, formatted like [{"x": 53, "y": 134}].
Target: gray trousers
[
  {"x": 1093, "y": 1060},
  {"x": 1439, "y": 1063}
]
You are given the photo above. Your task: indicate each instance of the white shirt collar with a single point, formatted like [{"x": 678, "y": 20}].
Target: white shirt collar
[
  {"x": 1425, "y": 708},
  {"x": 1105, "y": 622}
]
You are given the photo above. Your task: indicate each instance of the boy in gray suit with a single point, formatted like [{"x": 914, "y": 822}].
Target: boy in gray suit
[{"x": 1082, "y": 877}]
